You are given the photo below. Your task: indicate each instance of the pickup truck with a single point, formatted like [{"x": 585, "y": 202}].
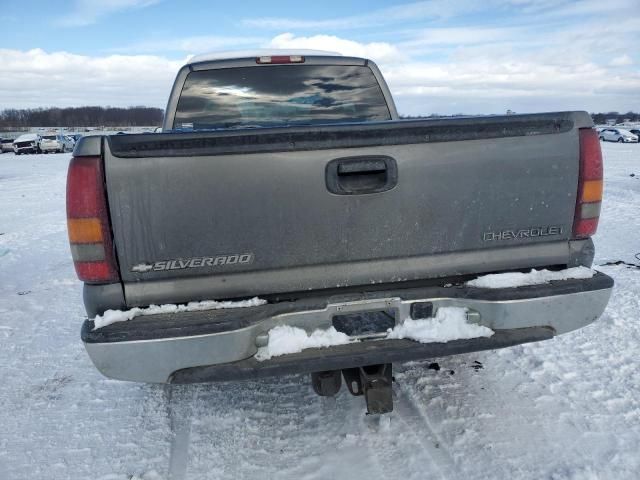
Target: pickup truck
[{"x": 289, "y": 177}]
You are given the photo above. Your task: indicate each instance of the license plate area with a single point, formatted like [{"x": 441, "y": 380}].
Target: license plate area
[
  {"x": 370, "y": 318},
  {"x": 365, "y": 324}
]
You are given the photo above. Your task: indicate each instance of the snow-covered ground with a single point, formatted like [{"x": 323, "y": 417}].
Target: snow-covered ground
[{"x": 565, "y": 408}]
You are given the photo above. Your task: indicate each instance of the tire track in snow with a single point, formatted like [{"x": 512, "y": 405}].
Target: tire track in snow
[
  {"x": 411, "y": 415},
  {"x": 395, "y": 448},
  {"x": 368, "y": 428},
  {"x": 179, "y": 401},
  {"x": 273, "y": 428},
  {"x": 376, "y": 444},
  {"x": 342, "y": 426}
]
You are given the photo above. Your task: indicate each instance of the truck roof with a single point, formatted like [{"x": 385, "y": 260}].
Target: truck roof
[{"x": 258, "y": 52}]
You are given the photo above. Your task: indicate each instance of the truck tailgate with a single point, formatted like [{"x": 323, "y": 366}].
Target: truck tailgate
[{"x": 240, "y": 213}]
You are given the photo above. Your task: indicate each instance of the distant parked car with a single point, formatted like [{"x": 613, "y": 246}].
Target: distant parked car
[
  {"x": 26, "y": 143},
  {"x": 70, "y": 142},
  {"x": 55, "y": 143},
  {"x": 6, "y": 145},
  {"x": 617, "y": 135},
  {"x": 636, "y": 132}
]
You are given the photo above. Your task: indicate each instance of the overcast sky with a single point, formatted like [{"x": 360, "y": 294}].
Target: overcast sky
[{"x": 454, "y": 56}]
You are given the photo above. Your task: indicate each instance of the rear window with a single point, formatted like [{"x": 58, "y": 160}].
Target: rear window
[
  {"x": 279, "y": 95},
  {"x": 49, "y": 137}
]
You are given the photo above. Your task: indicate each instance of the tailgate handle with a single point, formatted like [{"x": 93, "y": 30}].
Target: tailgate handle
[
  {"x": 362, "y": 166},
  {"x": 361, "y": 175}
]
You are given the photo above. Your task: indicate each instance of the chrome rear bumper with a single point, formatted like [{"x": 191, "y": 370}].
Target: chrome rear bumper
[{"x": 220, "y": 344}]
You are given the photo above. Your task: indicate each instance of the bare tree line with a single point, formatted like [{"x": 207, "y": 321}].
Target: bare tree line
[
  {"x": 598, "y": 118},
  {"x": 150, "y": 116},
  {"x": 80, "y": 116}
]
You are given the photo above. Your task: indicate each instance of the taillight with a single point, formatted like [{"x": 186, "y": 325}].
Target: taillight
[
  {"x": 279, "y": 59},
  {"x": 589, "y": 199},
  {"x": 88, "y": 222}
]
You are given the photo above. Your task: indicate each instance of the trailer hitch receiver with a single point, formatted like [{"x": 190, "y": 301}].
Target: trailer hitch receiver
[{"x": 374, "y": 382}]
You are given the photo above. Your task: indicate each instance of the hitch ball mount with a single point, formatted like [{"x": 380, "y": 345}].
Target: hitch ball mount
[{"x": 373, "y": 381}]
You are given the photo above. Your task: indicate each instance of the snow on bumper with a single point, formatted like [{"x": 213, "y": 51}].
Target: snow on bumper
[
  {"x": 221, "y": 344},
  {"x": 113, "y": 316},
  {"x": 448, "y": 324}
]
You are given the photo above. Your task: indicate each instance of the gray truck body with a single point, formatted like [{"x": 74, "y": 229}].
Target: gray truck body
[{"x": 363, "y": 216}]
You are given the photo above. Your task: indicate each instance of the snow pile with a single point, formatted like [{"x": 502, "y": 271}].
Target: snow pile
[
  {"x": 284, "y": 339},
  {"x": 534, "y": 277},
  {"x": 450, "y": 323},
  {"x": 112, "y": 316}
]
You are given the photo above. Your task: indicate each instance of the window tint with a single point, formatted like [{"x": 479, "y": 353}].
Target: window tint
[
  {"x": 279, "y": 95},
  {"x": 49, "y": 137}
]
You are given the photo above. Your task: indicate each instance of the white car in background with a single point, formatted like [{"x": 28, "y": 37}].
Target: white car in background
[
  {"x": 55, "y": 143},
  {"x": 26, "y": 143},
  {"x": 618, "y": 135},
  {"x": 6, "y": 145},
  {"x": 70, "y": 142}
]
